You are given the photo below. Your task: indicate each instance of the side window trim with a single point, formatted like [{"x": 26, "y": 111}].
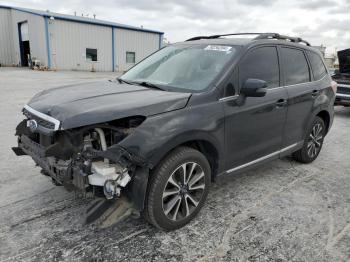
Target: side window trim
[
  {"x": 311, "y": 72},
  {"x": 255, "y": 48}
]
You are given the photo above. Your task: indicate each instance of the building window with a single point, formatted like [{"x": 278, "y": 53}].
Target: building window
[
  {"x": 91, "y": 54},
  {"x": 130, "y": 57}
]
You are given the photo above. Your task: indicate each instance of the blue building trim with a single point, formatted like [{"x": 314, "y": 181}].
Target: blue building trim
[
  {"x": 20, "y": 42},
  {"x": 113, "y": 50},
  {"x": 160, "y": 40},
  {"x": 47, "y": 42},
  {"x": 79, "y": 19}
]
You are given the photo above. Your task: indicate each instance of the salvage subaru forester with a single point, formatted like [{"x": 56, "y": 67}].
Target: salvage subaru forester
[{"x": 164, "y": 130}]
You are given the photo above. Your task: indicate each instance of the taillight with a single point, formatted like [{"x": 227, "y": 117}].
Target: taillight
[{"x": 334, "y": 86}]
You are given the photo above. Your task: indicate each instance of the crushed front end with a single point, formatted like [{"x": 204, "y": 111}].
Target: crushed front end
[{"x": 87, "y": 159}]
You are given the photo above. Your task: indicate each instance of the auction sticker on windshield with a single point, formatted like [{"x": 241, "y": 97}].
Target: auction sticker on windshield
[{"x": 220, "y": 48}]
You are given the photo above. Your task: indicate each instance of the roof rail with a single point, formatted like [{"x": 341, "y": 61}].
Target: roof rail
[
  {"x": 281, "y": 37},
  {"x": 217, "y": 36},
  {"x": 259, "y": 36}
]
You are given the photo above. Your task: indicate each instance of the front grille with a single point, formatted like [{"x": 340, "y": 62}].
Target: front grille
[
  {"x": 343, "y": 90},
  {"x": 40, "y": 121}
]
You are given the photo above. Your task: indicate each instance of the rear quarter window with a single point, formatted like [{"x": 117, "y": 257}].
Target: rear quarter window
[
  {"x": 317, "y": 65},
  {"x": 296, "y": 68}
]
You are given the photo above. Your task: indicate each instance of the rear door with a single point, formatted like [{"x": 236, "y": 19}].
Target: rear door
[
  {"x": 254, "y": 125},
  {"x": 301, "y": 93}
]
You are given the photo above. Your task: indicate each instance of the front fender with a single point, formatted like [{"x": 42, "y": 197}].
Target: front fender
[{"x": 159, "y": 134}]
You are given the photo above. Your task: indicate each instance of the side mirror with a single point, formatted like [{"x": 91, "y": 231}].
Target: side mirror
[{"x": 254, "y": 88}]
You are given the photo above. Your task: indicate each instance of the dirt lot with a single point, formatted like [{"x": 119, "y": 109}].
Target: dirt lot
[{"x": 283, "y": 211}]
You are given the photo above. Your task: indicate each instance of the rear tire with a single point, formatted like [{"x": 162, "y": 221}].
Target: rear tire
[
  {"x": 313, "y": 142},
  {"x": 178, "y": 189}
]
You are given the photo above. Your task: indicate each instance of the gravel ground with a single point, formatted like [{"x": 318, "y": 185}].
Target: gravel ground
[{"x": 282, "y": 211}]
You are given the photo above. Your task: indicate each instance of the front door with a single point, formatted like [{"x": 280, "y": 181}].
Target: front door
[{"x": 254, "y": 125}]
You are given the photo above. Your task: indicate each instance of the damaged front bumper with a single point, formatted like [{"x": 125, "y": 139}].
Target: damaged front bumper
[
  {"x": 82, "y": 173},
  {"x": 88, "y": 159}
]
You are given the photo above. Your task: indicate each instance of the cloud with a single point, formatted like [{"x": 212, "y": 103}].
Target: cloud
[
  {"x": 317, "y": 4},
  {"x": 257, "y": 2},
  {"x": 320, "y": 22}
]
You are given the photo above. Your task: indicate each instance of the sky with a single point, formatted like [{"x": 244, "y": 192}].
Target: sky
[{"x": 324, "y": 22}]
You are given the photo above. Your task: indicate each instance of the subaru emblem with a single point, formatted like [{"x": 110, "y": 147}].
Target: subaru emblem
[{"x": 32, "y": 124}]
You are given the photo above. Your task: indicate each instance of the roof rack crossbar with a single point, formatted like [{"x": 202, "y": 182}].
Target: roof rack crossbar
[{"x": 259, "y": 36}]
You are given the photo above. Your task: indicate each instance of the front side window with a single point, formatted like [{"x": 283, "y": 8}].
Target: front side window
[
  {"x": 260, "y": 63},
  {"x": 296, "y": 69},
  {"x": 130, "y": 57},
  {"x": 91, "y": 54},
  {"x": 182, "y": 67},
  {"x": 318, "y": 68}
]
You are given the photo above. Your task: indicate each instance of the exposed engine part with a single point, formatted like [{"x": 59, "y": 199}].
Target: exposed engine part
[
  {"x": 102, "y": 138},
  {"x": 102, "y": 141},
  {"x": 111, "y": 176},
  {"x": 111, "y": 189}
]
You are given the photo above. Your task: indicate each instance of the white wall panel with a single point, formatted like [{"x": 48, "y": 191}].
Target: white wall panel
[
  {"x": 7, "y": 56},
  {"x": 36, "y": 33},
  {"x": 69, "y": 41},
  {"x": 142, "y": 43}
]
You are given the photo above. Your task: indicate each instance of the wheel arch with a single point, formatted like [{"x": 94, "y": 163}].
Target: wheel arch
[
  {"x": 200, "y": 141},
  {"x": 207, "y": 148},
  {"x": 203, "y": 143},
  {"x": 325, "y": 116}
]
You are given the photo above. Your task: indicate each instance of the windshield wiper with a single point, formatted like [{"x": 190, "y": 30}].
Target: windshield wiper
[
  {"x": 148, "y": 84},
  {"x": 142, "y": 83},
  {"x": 121, "y": 80}
]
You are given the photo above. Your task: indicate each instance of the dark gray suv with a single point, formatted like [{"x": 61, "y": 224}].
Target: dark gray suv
[{"x": 160, "y": 133}]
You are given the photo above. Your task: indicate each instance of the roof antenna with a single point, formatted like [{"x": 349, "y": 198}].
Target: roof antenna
[{"x": 94, "y": 16}]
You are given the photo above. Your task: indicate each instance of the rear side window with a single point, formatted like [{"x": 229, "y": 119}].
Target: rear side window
[
  {"x": 318, "y": 68},
  {"x": 296, "y": 69},
  {"x": 260, "y": 63}
]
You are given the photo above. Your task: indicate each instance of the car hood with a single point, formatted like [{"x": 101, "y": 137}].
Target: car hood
[{"x": 97, "y": 102}]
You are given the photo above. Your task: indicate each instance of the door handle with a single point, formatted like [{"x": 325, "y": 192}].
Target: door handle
[
  {"x": 281, "y": 103},
  {"x": 315, "y": 93}
]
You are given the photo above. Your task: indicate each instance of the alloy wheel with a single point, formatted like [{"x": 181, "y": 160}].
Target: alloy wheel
[
  {"x": 183, "y": 191},
  {"x": 315, "y": 140}
]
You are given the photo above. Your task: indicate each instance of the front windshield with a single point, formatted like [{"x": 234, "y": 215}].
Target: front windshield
[{"x": 187, "y": 67}]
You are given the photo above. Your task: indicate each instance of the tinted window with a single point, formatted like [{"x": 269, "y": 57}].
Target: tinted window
[
  {"x": 261, "y": 63},
  {"x": 317, "y": 65},
  {"x": 296, "y": 69}
]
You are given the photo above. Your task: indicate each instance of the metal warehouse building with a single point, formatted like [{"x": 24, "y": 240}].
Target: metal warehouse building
[{"x": 68, "y": 42}]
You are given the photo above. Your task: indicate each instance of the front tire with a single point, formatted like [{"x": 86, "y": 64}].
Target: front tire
[
  {"x": 178, "y": 189},
  {"x": 312, "y": 143}
]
